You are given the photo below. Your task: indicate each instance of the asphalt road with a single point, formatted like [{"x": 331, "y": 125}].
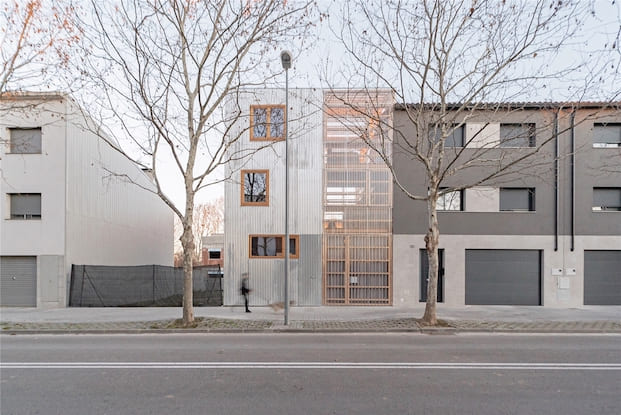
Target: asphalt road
[{"x": 310, "y": 374}]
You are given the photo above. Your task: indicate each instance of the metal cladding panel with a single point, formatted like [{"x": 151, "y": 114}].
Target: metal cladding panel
[
  {"x": 602, "y": 277},
  {"x": 503, "y": 277},
  {"x": 305, "y": 199},
  {"x": 111, "y": 219},
  {"x": 18, "y": 281}
]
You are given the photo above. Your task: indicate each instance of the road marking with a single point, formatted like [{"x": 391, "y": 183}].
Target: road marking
[{"x": 309, "y": 365}]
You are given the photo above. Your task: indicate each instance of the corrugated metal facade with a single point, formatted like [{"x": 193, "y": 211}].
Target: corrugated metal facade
[{"x": 305, "y": 201}]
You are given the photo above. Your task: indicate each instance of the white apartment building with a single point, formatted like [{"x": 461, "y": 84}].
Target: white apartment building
[{"x": 67, "y": 198}]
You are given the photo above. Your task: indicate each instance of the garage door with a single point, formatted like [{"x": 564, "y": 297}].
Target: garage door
[
  {"x": 18, "y": 281},
  {"x": 503, "y": 277},
  {"x": 602, "y": 277}
]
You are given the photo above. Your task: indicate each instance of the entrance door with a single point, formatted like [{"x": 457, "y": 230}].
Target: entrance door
[
  {"x": 357, "y": 269},
  {"x": 424, "y": 277}
]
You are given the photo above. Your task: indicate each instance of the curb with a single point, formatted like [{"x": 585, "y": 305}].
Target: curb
[{"x": 297, "y": 330}]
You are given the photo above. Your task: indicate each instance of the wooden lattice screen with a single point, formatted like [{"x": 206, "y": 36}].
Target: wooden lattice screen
[{"x": 357, "y": 202}]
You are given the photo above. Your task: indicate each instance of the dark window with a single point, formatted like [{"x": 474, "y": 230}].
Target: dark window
[
  {"x": 267, "y": 122},
  {"x": 607, "y": 198},
  {"x": 517, "y": 199},
  {"x": 25, "y": 205},
  {"x": 255, "y": 187},
  {"x": 455, "y": 138},
  {"x": 451, "y": 201},
  {"x": 25, "y": 140},
  {"x": 270, "y": 246},
  {"x": 607, "y": 135},
  {"x": 517, "y": 135},
  {"x": 214, "y": 254}
]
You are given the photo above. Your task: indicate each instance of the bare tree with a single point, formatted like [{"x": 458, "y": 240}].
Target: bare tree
[
  {"x": 35, "y": 39},
  {"x": 161, "y": 73},
  {"x": 447, "y": 62}
]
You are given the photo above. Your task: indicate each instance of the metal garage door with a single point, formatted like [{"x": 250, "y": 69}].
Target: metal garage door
[
  {"x": 602, "y": 277},
  {"x": 503, "y": 277},
  {"x": 18, "y": 281}
]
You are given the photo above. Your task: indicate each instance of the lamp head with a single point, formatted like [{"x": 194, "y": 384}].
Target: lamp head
[{"x": 285, "y": 59}]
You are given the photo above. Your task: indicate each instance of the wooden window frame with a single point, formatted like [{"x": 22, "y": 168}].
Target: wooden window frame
[
  {"x": 243, "y": 187},
  {"x": 281, "y": 255},
  {"x": 268, "y": 136}
]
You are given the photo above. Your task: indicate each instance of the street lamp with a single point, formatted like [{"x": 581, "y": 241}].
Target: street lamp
[{"x": 285, "y": 59}]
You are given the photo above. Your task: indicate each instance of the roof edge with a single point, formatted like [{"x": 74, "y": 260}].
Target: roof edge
[{"x": 517, "y": 105}]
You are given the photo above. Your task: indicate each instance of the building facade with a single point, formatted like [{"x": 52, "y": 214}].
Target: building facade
[
  {"x": 64, "y": 203},
  {"x": 547, "y": 234}
]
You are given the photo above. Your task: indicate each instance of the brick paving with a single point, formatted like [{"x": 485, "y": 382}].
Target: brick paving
[{"x": 208, "y": 324}]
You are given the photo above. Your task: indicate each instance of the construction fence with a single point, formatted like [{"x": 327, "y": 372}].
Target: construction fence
[{"x": 142, "y": 286}]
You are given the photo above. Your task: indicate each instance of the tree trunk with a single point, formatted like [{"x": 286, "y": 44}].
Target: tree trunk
[
  {"x": 432, "y": 239},
  {"x": 187, "y": 241}
]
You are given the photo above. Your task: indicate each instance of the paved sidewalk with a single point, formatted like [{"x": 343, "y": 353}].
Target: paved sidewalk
[{"x": 588, "y": 319}]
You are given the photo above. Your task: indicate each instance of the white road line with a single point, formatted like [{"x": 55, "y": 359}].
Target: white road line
[{"x": 309, "y": 365}]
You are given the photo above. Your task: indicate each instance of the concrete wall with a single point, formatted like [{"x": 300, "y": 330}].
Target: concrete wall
[{"x": 305, "y": 208}]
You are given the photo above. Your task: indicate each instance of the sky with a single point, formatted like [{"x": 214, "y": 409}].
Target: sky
[{"x": 324, "y": 55}]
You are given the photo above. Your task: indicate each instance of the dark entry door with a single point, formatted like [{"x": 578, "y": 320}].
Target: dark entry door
[{"x": 424, "y": 270}]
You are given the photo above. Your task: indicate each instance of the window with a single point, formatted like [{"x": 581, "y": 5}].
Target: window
[
  {"x": 25, "y": 140},
  {"x": 25, "y": 205},
  {"x": 517, "y": 135},
  {"x": 607, "y": 198},
  {"x": 270, "y": 246},
  {"x": 517, "y": 199},
  {"x": 255, "y": 187},
  {"x": 607, "y": 135},
  {"x": 451, "y": 201},
  {"x": 455, "y": 137},
  {"x": 214, "y": 254},
  {"x": 267, "y": 122}
]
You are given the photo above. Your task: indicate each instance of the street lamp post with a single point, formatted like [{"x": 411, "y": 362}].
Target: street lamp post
[{"x": 285, "y": 58}]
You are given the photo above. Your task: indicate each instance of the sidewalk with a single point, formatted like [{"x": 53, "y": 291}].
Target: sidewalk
[{"x": 512, "y": 319}]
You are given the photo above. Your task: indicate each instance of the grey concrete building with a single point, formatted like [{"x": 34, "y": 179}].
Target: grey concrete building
[{"x": 546, "y": 233}]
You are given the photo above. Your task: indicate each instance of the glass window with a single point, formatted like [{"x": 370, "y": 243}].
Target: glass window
[
  {"x": 255, "y": 187},
  {"x": 267, "y": 122},
  {"x": 517, "y": 199},
  {"x": 607, "y": 198},
  {"x": 450, "y": 201},
  {"x": 517, "y": 135},
  {"x": 270, "y": 246},
  {"x": 607, "y": 135},
  {"x": 25, "y": 206},
  {"x": 25, "y": 140},
  {"x": 455, "y": 137}
]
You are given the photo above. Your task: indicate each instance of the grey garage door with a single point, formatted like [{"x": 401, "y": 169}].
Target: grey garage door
[
  {"x": 503, "y": 277},
  {"x": 18, "y": 281},
  {"x": 602, "y": 277}
]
